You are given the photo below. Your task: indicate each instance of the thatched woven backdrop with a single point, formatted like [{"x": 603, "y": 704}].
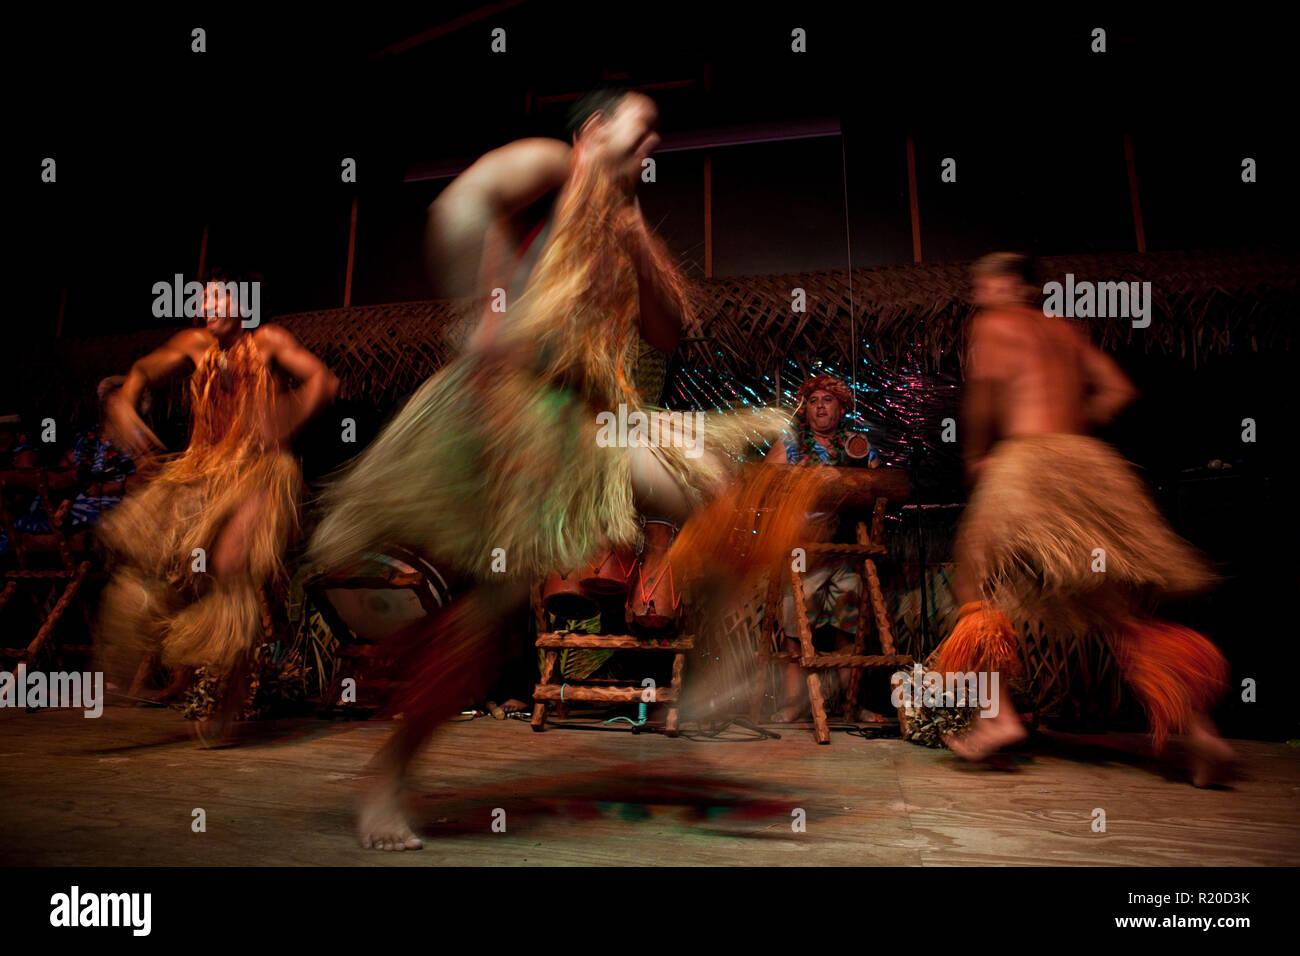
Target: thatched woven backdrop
[{"x": 1203, "y": 303}]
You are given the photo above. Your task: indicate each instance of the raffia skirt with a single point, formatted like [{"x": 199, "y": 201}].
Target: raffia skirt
[
  {"x": 506, "y": 476},
  {"x": 161, "y": 541},
  {"x": 1061, "y": 530}
]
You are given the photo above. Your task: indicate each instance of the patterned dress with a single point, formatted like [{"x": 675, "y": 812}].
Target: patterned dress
[
  {"x": 105, "y": 464},
  {"x": 97, "y": 462}
]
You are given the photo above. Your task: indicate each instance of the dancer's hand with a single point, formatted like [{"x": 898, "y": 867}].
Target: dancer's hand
[
  {"x": 127, "y": 430},
  {"x": 592, "y": 160}
]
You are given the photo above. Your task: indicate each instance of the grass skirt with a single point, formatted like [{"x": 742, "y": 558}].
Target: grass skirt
[
  {"x": 156, "y": 598},
  {"x": 508, "y": 478},
  {"x": 1061, "y": 530}
]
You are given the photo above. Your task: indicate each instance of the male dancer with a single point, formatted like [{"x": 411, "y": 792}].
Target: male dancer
[
  {"x": 196, "y": 544},
  {"x": 494, "y": 468},
  {"x": 1050, "y": 504}
]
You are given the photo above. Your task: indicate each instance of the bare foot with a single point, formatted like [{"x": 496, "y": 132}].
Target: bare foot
[
  {"x": 381, "y": 822},
  {"x": 786, "y": 715},
  {"x": 515, "y": 706},
  {"x": 214, "y": 731},
  {"x": 986, "y": 736},
  {"x": 218, "y": 728},
  {"x": 869, "y": 717},
  {"x": 1213, "y": 761}
]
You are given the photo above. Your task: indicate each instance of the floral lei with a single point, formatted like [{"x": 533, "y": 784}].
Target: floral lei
[{"x": 806, "y": 443}]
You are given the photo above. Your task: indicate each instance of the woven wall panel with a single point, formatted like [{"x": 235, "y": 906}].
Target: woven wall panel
[{"x": 1203, "y": 304}]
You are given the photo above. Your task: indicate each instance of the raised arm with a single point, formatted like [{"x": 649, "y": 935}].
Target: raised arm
[
  {"x": 663, "y": 305},
  {"x": 466, "y": 234}
]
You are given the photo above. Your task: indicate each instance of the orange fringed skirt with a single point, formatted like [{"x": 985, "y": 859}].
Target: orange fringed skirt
[{"x": 1060, "y": 530}]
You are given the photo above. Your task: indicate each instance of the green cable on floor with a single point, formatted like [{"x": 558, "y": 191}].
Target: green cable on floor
[{"x": 642, "y": 710}]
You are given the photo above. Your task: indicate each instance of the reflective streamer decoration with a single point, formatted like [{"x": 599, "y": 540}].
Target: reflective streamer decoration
[{"x": 901, "y": 408}]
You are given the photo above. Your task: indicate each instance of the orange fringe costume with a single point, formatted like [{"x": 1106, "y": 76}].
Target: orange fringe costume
[
  {"x": 1060, "y": 529},
  {"x": 156, "y": 597}
]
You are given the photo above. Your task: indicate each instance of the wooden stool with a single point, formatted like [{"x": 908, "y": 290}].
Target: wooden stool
[
  {"x": 548, "y": 689},
  {"x": 62, "y": 583},
  {"x": 808, "y": 657}
]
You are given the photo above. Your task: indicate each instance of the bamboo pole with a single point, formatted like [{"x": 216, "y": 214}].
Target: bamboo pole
[
  {"x": 203, "y": 252},
  {"x": 708, "y": 215},
  {"x": 911, "y": 196},
  {"x": 1134, "y": 200},
  {"x": 352, "y": 255}
]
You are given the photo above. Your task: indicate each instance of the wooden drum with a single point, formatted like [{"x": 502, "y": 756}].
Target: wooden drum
[
  {"x": 563, "y": 596},
  {"x": 655, "y": 601},
  {"x": 609, "y": 573}
]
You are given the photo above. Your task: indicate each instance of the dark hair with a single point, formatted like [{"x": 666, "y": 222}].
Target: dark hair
[
  {"x": 602, "y": 100},
  {"x": 228, "y": 273},
  {"x": 1016, "y": 264}
]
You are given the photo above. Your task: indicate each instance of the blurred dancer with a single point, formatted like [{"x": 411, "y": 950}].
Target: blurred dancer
[
  {"x": 233, "y": 493},
  {"x": 497, "y": 467},
  {"x": 1059, "y": 529}
]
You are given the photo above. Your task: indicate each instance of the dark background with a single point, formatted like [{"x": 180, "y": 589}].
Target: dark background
[{"x": 154, "y": 142}]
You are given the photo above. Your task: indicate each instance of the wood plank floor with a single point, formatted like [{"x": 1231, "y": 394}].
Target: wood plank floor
[{"x": 120, "y": 790}]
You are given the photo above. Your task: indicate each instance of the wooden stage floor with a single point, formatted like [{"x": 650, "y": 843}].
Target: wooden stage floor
[{"x": 120, "y": 790}]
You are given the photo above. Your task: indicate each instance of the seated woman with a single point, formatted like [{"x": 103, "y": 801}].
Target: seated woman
[
  {"x": 104, "y": 472},
  {"x": 832, "y": 587},
  {"x": 100, "y": 471}
]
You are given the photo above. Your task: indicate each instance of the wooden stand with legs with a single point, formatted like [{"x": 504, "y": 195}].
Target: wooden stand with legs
[
  {"x": 552, "y": 687},
  {"x": 60, "y": 584},
  {"x": 813, "y": 662}
]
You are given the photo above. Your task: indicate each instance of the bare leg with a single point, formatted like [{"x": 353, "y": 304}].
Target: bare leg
[
  {"x": 455, "y": 658},
  {"x": 793, "y": 688},
  {"x": 844, "y": 642},
  {"x": 230, "y": 559},
  {"x": 987, "y": 734},
  {"x": 230, "y": 553},
  {"x": 1212, "y": 759},
  {"x": 655, "y": 489},
  {"x": 218, "y": 728},
  {"x": 963, "y": 588}
]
